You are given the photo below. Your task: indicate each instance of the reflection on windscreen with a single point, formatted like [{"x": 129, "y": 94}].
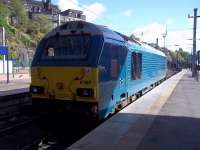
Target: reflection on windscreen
[{"x": 66, "y": 47}]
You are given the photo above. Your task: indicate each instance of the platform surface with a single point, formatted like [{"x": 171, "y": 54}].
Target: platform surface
[
  {"x": 14, "y": 87},
  {"x": 167, "y": 118}
]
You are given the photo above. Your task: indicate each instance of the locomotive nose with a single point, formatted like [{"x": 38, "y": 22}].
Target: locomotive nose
[{"x": 74, "y": 84}]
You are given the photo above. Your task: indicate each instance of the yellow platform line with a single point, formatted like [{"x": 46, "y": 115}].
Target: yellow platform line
[{"x": 158, "y": 104}]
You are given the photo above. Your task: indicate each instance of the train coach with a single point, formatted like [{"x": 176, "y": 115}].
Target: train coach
[{"x": 87, "y": 68}]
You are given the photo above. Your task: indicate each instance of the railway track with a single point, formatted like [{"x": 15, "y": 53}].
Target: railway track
[
  {"x": 14, "y": 127},
  {"x": 16, "y": 117},
  {"x": 36, "y": 145},
  {"x": 17, "y": 122},
  {"x": 18, "y": 136},
  {"x": 13, "y": 105}
]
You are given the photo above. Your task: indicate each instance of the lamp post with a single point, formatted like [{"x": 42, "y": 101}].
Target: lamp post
[
  {"x": 194, "y": 70},
  {"x": 164, "y": 37},
  {"x": 194, "y": 57}
]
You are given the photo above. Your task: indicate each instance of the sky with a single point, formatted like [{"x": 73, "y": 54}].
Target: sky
[{"x": 146, "y": 19}]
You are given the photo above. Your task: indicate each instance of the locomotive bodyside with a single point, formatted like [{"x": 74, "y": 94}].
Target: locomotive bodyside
[{"x": 138, "y": 67}]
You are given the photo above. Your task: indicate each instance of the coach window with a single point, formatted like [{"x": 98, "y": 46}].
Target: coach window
[
  {"x": 136, "y": 65},
  {"x": 139, "y": 65},
  {"x": 133, "y": 65}
]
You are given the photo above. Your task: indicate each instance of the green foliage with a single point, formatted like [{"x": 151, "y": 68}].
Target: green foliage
[
  {"x": 12, "y": 53},
  {"x": 40, "y": 24},
  {"x": 45, "y": 24},
  {"x": 4, "y": 11},
  {"x": 38, "y": 27},
  {"x": 7, "y": 27},
  {"x": 179, "y": 56},
  {"x": 182, "y": 57},
  {"x": 33, "y": 27},
  {"x": 19, "y": 13}
]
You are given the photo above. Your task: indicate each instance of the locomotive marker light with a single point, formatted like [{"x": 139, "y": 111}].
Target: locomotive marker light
[
  {"x": 85, "y": 92},
  {"x": 88, "y": 71},
  {"x": 37, "y": 89}
]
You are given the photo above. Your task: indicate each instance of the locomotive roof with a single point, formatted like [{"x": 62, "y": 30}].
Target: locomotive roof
[
  {"x": 82, "y": 27},
  {"x": 142, "y": 46},
  {"x": 147, "y": 48}
]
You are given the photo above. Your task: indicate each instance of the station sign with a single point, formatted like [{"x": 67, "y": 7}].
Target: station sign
[{"x": 3, "y": 50}]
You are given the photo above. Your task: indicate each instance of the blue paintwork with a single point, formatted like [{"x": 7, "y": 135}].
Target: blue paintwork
[
  {"x": 111, "y": 88},
  {"x": 154, "y": 66}
]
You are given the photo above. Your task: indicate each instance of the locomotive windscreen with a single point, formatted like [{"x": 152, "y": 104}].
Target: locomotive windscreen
[{"x": 66, "y": 47}]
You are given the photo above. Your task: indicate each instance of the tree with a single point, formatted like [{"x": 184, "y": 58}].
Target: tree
[
  {"x": 45, "y": 24},
  {"x": 134, "y": 37},
  {"x": 4, "y": 11},
  {"x": 182, "y": 57},
  {"x": 19, "y": 13},
  {"x": 39, "y": 26}
]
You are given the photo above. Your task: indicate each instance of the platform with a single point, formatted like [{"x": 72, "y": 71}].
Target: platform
[
  {"x": 167, "y": 117},
  {"x": 14, "y": 87}
]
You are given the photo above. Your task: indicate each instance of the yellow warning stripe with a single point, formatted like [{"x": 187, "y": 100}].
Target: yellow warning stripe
[{"x": 158, "y": 104}]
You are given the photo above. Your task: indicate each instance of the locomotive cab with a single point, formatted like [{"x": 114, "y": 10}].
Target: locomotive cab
[{"x": 64, "y": 70}]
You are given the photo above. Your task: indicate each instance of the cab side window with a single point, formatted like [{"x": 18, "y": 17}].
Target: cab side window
[
  {"x": 118, "y": 58},
  {"x": 112, "y": 59}
]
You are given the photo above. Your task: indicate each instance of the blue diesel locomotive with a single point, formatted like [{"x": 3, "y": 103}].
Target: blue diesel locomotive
[{"x": 83, "y": 67}]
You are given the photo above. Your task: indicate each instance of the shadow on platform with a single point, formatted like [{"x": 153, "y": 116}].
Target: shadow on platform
[{"x": 157, "y": 132}]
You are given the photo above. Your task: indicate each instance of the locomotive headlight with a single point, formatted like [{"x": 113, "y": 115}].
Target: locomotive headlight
[
  {"x": 85, "y": 92},
  {"x": 37, "y": 89}
]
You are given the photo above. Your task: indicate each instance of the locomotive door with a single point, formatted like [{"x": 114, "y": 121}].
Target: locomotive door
[{"x": 118, "y": 70}]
